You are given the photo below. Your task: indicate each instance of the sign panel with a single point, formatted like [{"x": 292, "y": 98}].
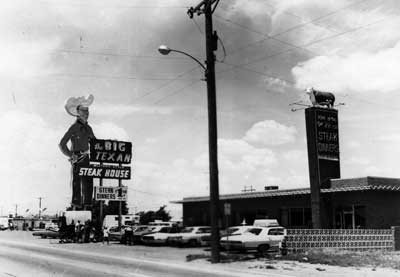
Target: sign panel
[
  {"x": 110, "y": 151},
  {"x": 323, "y": 146},
  {"x": 106, "y": 171},
  {"x": 110, "y": 193},
  {"x": 327, "y": 134}
]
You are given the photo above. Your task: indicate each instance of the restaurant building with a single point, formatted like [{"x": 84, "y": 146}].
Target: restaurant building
[{"x": 368, "y": 202}]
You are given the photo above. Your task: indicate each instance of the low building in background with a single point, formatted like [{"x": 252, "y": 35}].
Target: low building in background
[{"x": 368, "y": 202}]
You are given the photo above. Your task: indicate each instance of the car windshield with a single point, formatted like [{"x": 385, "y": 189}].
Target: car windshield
[
  {"x": 165, "y": 230},
  {"x": 187, "y": 230},
  {"x": 156, "y": 228},
  {"x": 204, "y": 230},
  {"x": 276, "y": 231},
  {"x": 254, "y": 231},
  {"x": 231, "y": 230}
]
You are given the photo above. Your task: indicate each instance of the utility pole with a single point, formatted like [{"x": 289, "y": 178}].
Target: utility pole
[
  {"x": 206, "y": 7},
  {"x": 16, "y": 210},
  {"x": 40, "y": 206}
]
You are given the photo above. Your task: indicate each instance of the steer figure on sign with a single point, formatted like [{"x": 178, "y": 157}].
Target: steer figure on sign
[{"x": 321, "y": 98}]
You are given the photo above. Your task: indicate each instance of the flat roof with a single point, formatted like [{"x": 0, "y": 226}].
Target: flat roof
[{"x": 336, "y": 185}]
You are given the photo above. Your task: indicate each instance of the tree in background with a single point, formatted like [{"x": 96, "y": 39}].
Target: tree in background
[{"x": 149, "y": 216}]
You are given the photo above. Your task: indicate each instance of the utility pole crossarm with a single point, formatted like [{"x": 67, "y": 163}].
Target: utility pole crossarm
[{"x": 199, "y": 9}]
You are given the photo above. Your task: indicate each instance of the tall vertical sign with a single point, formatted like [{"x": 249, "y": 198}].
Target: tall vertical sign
[{"x": 322, "y": 128}]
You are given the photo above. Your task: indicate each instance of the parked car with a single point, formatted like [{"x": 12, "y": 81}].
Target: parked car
[
  {"x": 116, "y": 233},
  {"x": 230, "y": 231},
  {"x": 51, "y": 232},
  {"x": 190, "y": 236},
  {"x": 261, "y": 239},
  {"x": 140, "y": 231},
  {"x": 161, "y": 236}
]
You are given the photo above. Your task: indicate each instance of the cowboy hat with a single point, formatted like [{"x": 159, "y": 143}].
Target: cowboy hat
[{"x": 72, "y": 104}]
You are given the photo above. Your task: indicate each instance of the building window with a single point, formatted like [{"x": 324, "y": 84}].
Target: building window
[
  {"x": 296, "y": 217},
  {"x": 350, "y": 217}
]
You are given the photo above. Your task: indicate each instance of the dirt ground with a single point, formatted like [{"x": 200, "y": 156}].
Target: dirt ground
[{"x": 315, "y": 263}]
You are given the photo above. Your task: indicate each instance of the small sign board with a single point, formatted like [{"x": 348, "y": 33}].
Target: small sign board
[
  {"x": 227, "y": 208},
  {"x": 110, "y": 151},
  {"x": 110, "y": 193},
  {"x": 106, "y": 171},
  {"x": 327, "y": 134}
]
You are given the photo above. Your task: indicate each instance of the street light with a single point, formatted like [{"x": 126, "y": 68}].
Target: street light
[
  {"x": 209, "y": 71},
  {"x": 165, "y": 50}
]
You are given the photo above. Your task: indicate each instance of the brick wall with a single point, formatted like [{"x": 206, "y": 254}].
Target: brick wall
[
  {"x": 348, "y": 239},
  {"x": 396, "y": 237}
]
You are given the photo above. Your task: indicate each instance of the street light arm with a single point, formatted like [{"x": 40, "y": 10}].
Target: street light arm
[{"x": 190, "y": 56}]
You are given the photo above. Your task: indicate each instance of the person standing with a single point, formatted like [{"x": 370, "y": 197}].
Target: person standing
[
  {"x": 63, "y": 228},
  {"x": 106, "y": 235},
  {"x": 129, "y": 235},
  {"x": 79, "y": 134}
]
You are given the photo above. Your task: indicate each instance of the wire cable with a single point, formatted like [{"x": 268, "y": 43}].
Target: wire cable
[
  {"x": 223, "y": 49},
  {"x": 198, "y": 27},
  {"x": 97, "y": 53},
  {"x": 263, "y": 34},
  {"x": 242, "y": 66},
  {"x": 96, "y": 76},
  {"x": 166, "y": 84},
  {"x": 176, "y": 92},
  {"x": 215, "y": 6},
  {"x": 295, "y": 27}
]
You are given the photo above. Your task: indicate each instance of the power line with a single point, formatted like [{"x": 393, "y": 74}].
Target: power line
[
  {"x": 177, "y": 91},
  {"x": 80, "y": 4},
  {"x": 97, "y": 53},
  {"x": 242, "y": 66},
  {"x": 96, "y": 76},
  {"x": 254, "y": 71},
  {"x": 166, "y": 84},
  {"x": 328, "y": 27},
  {"x": 150, "y": 193},
  {"x": 294, "y": 28},
  {"x": 320, "y": 17},
  {"x": 263, "y": 34},
  {"x": 197, "y": 25}
]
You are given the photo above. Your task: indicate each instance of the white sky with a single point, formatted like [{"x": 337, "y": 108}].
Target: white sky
[{"x": 51, "y": 50}]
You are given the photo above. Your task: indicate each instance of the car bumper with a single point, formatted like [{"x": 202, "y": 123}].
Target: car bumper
[
  {"x": 154, "y": 241},
  {"x": 232, "y": 245}
]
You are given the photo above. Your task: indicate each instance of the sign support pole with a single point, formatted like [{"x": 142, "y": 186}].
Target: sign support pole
[
  {"x": 120, "y": 203},
  {"x": 101, "y": 201}
]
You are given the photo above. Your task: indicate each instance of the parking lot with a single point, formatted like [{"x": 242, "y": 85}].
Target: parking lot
[{"x": 166, "y": 255}]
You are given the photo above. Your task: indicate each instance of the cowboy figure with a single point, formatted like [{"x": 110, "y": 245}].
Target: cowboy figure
[{"x": 80, "y": 134}]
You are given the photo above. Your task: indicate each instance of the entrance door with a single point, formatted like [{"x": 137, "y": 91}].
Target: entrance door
[
  {"x": 348, "y": 220},
  {"x": 339, "y": 220},
  {"x": 344, "y": 218}
]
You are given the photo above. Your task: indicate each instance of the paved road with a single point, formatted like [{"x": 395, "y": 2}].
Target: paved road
[{"x": 38, "y": 257}]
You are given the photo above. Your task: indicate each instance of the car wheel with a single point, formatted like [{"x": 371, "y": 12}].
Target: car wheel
[
  {"x": 192, "y": 243},
  {"x": 263, "y": 248}
]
